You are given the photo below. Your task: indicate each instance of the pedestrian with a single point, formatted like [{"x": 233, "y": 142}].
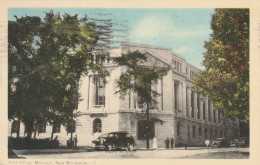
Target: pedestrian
[
  {"x": 75, "y": 141},
  {"x": 172, "y": 143},
  {"x": 167, "y": 141},
  {"x": 154, "y": 143}
]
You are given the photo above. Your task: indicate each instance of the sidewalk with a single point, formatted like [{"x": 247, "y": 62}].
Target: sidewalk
[
  {"x": 90, "y": 149},
  {"x": 52, "y": 151}
]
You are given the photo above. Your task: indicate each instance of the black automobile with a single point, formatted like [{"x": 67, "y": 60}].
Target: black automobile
[
  {"x": 220, "y": 142},
  {"x": 114, "y": 140},
  {"x": 243, "y": 142}
]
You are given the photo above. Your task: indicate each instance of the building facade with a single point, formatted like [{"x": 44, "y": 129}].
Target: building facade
[{"x": 187, "y": 116}]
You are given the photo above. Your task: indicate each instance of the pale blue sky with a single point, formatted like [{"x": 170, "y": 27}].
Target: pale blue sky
[{"x": 182, "y": 30}]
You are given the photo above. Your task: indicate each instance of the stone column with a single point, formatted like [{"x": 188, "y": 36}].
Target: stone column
[
  {"x": 180, "y": 96},
  {"x": 195, "y": 96},
  {"x": 221, "y": 117},
  {"x": 159, "y": 98},
  {"x": 91, "y": 92},
  {"x": 173, "y": 93},
  {"x": 206, "y": 110},
  {"x": 132, "y": 100},
  {"x": 201, "y": 108},
  {"x": 217, "y": 116},
  {"x": 184, "y": 99},
  {"x": 189, "y": 101},
  {"x": 211, "y": 113}
]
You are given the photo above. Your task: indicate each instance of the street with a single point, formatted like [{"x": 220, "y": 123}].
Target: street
[{"x": 179, "y": 153}]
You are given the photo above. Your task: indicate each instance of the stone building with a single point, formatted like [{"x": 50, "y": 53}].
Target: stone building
[{"x": 187, "y": 116}]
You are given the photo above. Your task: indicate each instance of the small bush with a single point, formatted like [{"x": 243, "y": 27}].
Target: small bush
[{"x": 25, "y": 143}]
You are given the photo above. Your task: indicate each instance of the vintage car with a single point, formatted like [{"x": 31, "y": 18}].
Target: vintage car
[
  {"x": 220, "y": 142},
  {"x": 114, "y": 140},
  {"x": 243, "y": 142}
]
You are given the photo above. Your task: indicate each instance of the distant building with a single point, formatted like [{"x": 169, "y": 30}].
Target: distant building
[{"x": 188, "y": 116}]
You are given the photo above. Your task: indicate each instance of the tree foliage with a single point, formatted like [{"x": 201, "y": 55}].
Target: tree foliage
[
  {"x": 225, "y": 79},
  {"x": 139, "y": 78},
  {"x": 45, "y": 61}
]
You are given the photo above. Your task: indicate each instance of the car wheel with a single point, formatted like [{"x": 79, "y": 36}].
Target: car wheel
[
  {"x": 130, "y": 147},
  {"x": 109, "y": 147}
]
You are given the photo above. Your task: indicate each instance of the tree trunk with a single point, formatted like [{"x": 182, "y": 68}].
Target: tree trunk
[
  {"x": 148, "y": 126},
  {"x": 29, "y": 134},
  {"x": 18, "y": 128},
  {"x": 52, "y": 132},
  {"x": 35, "y": 130}
]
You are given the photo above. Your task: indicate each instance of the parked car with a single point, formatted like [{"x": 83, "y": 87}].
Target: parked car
[
  {"x": 220, "y": 142},
  {"x": 234, "y": 143},
  {"x": 114, "y": 140},
  {"x": 243, "y": 142}
]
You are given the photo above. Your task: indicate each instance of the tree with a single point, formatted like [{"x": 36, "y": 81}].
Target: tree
[
  {"x": 46, "y": 59},
  {"x": 225, "y": 79},
  {"x": 139, "y": 78}
]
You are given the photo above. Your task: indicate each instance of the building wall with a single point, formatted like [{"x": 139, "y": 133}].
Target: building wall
[{"x": 174, "y": 105}]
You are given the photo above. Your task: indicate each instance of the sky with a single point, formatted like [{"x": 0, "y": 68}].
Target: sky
[{"x": 183, "y": 30}]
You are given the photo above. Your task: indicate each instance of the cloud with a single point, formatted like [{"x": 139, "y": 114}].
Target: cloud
[
  {"x": 184, "y": 49},
  {"x": 152, "y": 26},
  {"x": 159, "y": 26},
  {"x": 189, "y": 33}
]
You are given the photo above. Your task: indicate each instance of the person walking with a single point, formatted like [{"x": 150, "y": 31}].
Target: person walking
[
  {"x": 154, "y": 143},
  {"x": 75, "y": 141},
  {"x": 167, "y": 141},
  {"x": 172, "y": 143}
]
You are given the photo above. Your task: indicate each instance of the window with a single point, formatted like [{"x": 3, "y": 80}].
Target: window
[
  {"x": 97, "y": 125},
  {"x": 194, "y": 131},
  {"x": 200, "y": 131},
  {"x": 56, "y": 127},
  {"x": 178, "y": 129},
  {"x": 205, "y": 133},
  {"x": 15, "y": 126},
  {"x": 145, "y": 129},
  {"x": 41, "y": 127},
  {"x": 99, "y": 91}
]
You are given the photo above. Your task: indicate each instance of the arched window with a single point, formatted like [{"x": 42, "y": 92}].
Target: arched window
[
  {"x": 14, "y": 127},
  {"x": 193, "y": 131},
  {"x": 200, "y": 131},
  {"x": 178, "y": 129},
  {"x": 205, "y": 133},
  {"x": 97, "y": 125}
]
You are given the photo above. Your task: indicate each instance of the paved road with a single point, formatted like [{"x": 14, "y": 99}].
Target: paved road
[{"x": 139, "y": 154}]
